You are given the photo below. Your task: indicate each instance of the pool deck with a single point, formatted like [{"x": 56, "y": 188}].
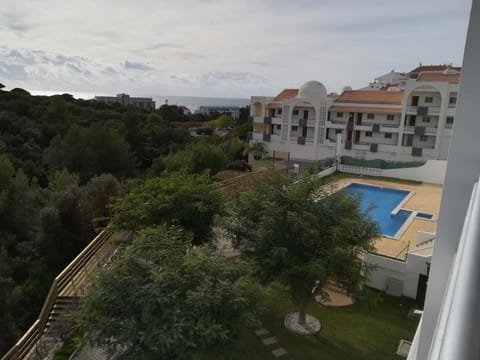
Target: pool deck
[{"x": 425, "y": 199}]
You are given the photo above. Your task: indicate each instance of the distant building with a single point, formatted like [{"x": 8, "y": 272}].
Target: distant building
[
  {"x": 407, "y": 117},
  {"x": 183, "y": 110},
  {"x": 233, "y": 111},
  {"x": 127, "y": 100}
]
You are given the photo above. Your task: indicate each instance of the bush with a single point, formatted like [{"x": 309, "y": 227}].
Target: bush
[
  {"x": 204, "y": 131},
  {"x": 238, "y": 165}
]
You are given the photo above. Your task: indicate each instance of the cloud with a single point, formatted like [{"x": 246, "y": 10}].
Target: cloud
[
  {"x": 13, "y": 71},
  {"x": 14, "y": 22},
  {"x": 137, "y": 66},
  {"x": 223, "y": 47}
]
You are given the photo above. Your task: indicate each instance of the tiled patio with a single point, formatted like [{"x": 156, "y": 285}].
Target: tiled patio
[{"x": 426, "y": 199}]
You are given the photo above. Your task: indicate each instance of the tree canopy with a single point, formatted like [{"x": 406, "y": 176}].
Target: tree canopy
[
  {"x": 163, "y": 299},
  {"x": 175, "y": 198},
  {"x": 303, "y": 235}
]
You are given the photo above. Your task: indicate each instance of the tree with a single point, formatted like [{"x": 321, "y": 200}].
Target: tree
[
  {"x": 257, "y": 149},
  {"x": 162, "y": 299},
  {"x": 303, "y": 235},
  {"x": 221, "y": 122},
  {"x": 196, "y": 158},
  {"x": 175, "y": 198},
  {"x": 91, "y": 151}
]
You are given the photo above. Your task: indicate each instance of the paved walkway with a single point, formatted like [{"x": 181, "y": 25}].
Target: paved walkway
[{"x": 271, "y": 341}]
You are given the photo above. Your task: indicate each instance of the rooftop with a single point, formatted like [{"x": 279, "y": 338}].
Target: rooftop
[
  {"x": 450, "y": 78},
  {"x": 286, "y": 94},
  {"x": 371, "y": 97},
  {"x": 423, "y": 68}
]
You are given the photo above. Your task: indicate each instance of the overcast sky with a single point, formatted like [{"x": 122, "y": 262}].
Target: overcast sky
[{"x": 225, "y": 48}]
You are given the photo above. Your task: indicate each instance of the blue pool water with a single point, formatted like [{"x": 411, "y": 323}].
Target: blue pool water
[
  {"x": 424, "y": 215},
  {"x": 384, "y": 200}
]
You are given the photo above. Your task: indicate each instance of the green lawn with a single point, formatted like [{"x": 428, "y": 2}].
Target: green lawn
[{"x": 363, "y": 331}]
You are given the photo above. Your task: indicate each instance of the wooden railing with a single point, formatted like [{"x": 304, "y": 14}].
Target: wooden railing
[
  {"x": 70, "y": 281},
  {"x": 240, "y": 182},
  {"x": 65, "y": 284}
]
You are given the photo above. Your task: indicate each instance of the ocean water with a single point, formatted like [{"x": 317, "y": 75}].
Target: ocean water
[{"x": 191, "y": 102}]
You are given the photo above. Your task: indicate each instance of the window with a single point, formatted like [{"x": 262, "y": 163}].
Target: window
[
  {"x": 279, "y": 127},
  {"x": 340, "y": 114},
  {"x": 426, "y": 119},
  {"x": 294, "y": 128},
  {"x": 368, "y": 134},
  {"x": 390, "y": 117},
  {"x": 338, "y": 131},
  {"x": 279, "y": 111},
  {"x": 423, "y": 138},
  {"x": 370, "y": 116},
  {"x": 449, "y": 120},
  {"x": 388, "y": 135},
  {"x": 428, "y": 100},
  {"x": 452, "y": 100},
  {"x": 295, "y": 112}
]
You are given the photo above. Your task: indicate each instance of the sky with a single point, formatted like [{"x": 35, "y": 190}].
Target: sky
[{"x": 221, "y": 48}]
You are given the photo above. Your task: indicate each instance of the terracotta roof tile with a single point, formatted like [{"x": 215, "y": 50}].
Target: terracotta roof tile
[
  {"x": 274, "y": 105},
  {"x": 286, "y": 94},
  {"x": 366, "y": 109},
  {"x": 371, "y": 97},
  {"x": 450, "y": 78},
  {"x": 434, "y": 68}
]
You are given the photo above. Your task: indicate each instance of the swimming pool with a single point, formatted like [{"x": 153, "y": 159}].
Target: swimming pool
[{"x": 384, "y": 200}]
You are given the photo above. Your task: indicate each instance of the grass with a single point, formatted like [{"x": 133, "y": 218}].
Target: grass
[{"x": 370, "y": 329}]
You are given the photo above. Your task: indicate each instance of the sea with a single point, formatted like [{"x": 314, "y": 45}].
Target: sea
[{"x": 191, "y": 102}]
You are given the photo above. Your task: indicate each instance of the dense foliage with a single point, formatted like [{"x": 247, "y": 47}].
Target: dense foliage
[
  {"x": 175, "y": 198},
  {"x": 163, "y": 299},
  {"x": 303, "y": 235},
  {"x": 62, "y": 165}
]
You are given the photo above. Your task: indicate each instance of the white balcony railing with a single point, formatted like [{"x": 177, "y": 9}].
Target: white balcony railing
[
  {"x": 456, "y": 335},
  {"x": 432, "y": 110},
  {"x": 431, "y": 130}
]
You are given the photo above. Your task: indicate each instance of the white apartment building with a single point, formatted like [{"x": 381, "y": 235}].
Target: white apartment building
[
  {"x": 129, "y": 101},
  {"x": 410, "y": 120}
]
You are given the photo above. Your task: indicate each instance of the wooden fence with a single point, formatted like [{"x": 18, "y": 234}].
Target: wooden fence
[{"x": 70, "y": 282}]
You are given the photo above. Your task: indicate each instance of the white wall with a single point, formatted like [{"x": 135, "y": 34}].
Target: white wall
[
  {"x": 462, "y": 172},
  {"x": 432, "y": 172},
  {"x": 405, "y": 271}
]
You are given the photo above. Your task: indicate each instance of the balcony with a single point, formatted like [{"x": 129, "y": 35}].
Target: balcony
[
  {"x": 361, "y": 146},
  {"x": 267, "y": 120},
  {"x": 431, "y": 130},
  {"x": 458, "y": 327},
  {"x": 337, "y": 125},
  {"x": 387, "y": 148},
  {"x": 393, "y": 128},
  {"x": 417, "y": 110},
  {"x": 364, "y": 126}
]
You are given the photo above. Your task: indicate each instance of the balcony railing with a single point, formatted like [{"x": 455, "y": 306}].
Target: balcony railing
[
  {"x": 414, "y": 110},
  {"x": 456, "y": 336}
]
